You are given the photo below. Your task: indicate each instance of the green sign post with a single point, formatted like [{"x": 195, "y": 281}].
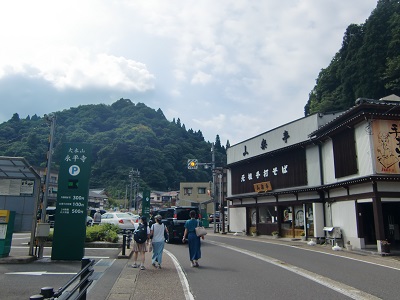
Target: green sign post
[
  {"x": 146, "y": 204},
  {"x": 72, "y": 201}
]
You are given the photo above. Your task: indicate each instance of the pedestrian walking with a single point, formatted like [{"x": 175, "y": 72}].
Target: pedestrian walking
[
  {"x": 141, "y": 237},
  {"x": 193, "y": 239},
  {"x": 97, "y": 218},
  {"x": 157, "y": 232}
]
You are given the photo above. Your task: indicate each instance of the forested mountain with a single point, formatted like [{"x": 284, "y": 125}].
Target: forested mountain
[
  {"x": 123, "y": 135},
  {"x": 366, "y": 66}
]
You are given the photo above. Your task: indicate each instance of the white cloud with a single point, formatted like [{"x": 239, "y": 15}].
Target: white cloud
[
  {"x": 201, "y": 78},
  {"x": 240, "y": 63}
]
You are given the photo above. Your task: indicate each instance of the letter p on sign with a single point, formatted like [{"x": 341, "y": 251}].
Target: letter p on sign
[{"x": 74, "y": 170}]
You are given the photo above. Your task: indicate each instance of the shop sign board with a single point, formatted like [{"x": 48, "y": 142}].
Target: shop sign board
[{"x": 72, "y": 200}]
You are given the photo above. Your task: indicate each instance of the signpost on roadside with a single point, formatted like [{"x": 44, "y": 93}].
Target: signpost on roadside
[{"x": 72, "y": 201}]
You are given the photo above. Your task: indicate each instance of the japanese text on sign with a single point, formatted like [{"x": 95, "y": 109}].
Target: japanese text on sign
[
  {"x": 75, "y": 155},
  {"x": 265, "y": 173}
]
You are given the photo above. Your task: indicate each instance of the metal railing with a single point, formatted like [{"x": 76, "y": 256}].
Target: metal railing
[{"x": 77, "y": 292}]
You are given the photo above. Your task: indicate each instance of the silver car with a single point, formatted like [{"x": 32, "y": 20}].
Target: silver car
[{"x": 122, "y": 220}]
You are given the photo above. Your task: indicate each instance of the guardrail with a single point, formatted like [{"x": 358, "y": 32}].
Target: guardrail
[{"x": 77, "y": 292}]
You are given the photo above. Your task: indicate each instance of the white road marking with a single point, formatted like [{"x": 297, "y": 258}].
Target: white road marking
[
  {"x": 39, "y": 273},
  {"x": 339, "y": 287},
  {"x": 99, "y": 257},
  {"x": 182, "y": 277}
]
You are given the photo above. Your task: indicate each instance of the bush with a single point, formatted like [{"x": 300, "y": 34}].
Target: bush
[{"x": 105, "y": 232}]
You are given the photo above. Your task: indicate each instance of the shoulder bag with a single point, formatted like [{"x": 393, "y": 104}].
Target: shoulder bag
[{"x": 200, "y": 230}]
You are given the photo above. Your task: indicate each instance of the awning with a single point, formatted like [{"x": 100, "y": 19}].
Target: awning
[{"x": 16, "y": 167}]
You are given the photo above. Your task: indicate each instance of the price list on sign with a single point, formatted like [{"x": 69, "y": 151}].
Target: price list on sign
[{"x": 72, "y": 201}]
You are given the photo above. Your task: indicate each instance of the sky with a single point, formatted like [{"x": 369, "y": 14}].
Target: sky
[{"x": 232, "y": 68}]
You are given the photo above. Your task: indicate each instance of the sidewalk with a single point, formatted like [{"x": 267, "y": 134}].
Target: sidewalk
[{"x": 152, "y": 283}]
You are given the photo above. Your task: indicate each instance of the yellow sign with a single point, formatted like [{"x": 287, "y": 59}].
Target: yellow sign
[
  {"x": 262, "y": 187},
  {"x": 4, "y": 216}
]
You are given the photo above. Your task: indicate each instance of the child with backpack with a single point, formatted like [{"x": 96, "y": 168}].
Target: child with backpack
[{"x": 141, "y": 237}]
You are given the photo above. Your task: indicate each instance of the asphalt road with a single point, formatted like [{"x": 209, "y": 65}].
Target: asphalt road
[
  {"x": 235, "y": 268},
  {"x": 231, "y": 268},
  {"x": 20, "y": 281}
]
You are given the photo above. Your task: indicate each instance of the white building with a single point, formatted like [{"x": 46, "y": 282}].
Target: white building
[{"x": 325, "y": 170}]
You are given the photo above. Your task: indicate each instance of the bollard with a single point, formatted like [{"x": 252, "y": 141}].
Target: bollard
[
  {"x": 129, "y": 240},
  {"x": 123, "y": 243},
  {"x": 36, "y": 297}
]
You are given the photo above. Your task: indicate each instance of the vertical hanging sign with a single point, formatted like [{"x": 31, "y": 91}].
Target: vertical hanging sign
[
  {"x": 72, "y": 201},
  {"x": 146, "y": 204}
]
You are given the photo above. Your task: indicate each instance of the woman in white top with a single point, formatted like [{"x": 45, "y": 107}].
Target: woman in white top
[{"x": 157, "y": 232}]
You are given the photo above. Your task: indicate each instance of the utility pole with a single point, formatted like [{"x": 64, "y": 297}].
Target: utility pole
[
  {"x": 130, "y": 194},
  {"x": 52, "y": 120},
  {"x": 221, "y": 201},
  {"x": 136, "y": 175},
  {"x": 214, "y": 185},
  {"x": 126, "y": 196}
]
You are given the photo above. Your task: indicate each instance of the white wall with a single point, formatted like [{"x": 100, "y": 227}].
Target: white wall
[
  {"x": 364, "y": 156},
  {"x": 298, "y": 131},
  {"x": 344, "y": 216},
  {"x": 313, "y": 166},
  {"x": 364, "y": 149},
  {"x": 237, "y": 219}
]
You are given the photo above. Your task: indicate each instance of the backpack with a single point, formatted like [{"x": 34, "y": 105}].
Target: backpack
[{"x": 140, "y": 235}]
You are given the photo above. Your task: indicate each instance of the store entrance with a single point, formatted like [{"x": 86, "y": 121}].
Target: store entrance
[
  {"x": 293, "y": 221},
  {"x": 366, "y": 222}
]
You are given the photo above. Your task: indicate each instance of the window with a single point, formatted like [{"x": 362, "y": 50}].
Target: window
[
  {"x": 187, "y": 191},
  {"x": 268, "y": 215},
  {"x": 344, "y": 153},
  {"x": 201, "y": 190}
]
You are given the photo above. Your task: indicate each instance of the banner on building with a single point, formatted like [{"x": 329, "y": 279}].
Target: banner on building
[{"x": 386, "y": 141}]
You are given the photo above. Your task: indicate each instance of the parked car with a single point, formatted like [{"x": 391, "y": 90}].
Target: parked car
[
  {"x": 135, "y": 217},
  {"x": 211, "y": 217},
  {"x": 174, "y": 218},
  {"x": 122, "y": 220}
]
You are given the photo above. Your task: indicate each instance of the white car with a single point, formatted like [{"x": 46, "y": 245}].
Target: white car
[
  {"x": 135, "y": 217},
  {"x": 122, "y": 220}
]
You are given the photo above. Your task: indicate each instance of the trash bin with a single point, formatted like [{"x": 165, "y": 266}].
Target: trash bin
[
  {"x": 6, "y": 230},
  {"x": 205, "y": 222},
  {"x": 204, "y": 218}
]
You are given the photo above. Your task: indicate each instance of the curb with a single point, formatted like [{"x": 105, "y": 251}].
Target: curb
[
  {"x": 127, "y": 255},
  {"x": 17, "y": 259}
]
